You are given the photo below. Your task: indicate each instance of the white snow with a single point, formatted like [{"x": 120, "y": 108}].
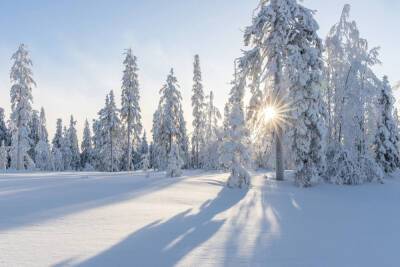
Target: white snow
[{"x": 126, "y": 219}]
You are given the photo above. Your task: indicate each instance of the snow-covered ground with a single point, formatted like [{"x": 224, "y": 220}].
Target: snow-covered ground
[{"x": 97, "y": 219}]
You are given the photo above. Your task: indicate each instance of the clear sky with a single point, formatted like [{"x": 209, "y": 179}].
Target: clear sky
[{"x": 77, "y": 46}]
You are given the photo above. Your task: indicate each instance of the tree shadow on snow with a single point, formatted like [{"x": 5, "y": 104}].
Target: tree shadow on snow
[
  {"x": 44, "y": 198},
  {"x": 166, "y": 243}
]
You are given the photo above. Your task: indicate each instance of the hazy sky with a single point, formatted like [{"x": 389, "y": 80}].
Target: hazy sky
[{"x": 77, "y": 46}]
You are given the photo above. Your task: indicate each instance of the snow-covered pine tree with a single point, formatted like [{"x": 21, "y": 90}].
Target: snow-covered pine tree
[
  {"x": 235, "y": 154},
  {"x": 175, "y": 163},
  {"x": 130, "y": 109},
  {"x": 44, "y": 135},
  {"x": 199, "y": 117},
  {"x": 43, "y": 157},
  {"x": 387, "y": 137},
  {"x": 110, "y": 130},
  {"x": 4, "y": 131},
  {"x": 73, "y": 140},
  {"x": 305, "y": 68},
  {"x": 351, "y": 96},
  {"x": 21, "y": 107},
  {"x": 66, "y": 150},
  {"x": 34, "y": 125},
  {"x": 159, "y": 153},
  {"x": 3, "y": 157},
  {"x": 145, "y": 163},
  {"x": 56, "y": 152},
  {"x": 213, "y": 137},
  {"x": 87, "y": 148},
  {"x": 169, "y": 125},
  {"x": 263, "y": 64},
  {"x": 144, "y": 146}
]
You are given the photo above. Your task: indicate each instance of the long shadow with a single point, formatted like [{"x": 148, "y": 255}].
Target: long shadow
[
  {"x": 166, "y": 243},
  {"x": 26, "y": 203}
]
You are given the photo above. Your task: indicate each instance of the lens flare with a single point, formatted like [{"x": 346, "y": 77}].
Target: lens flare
[{"x": 270, "y": 113}]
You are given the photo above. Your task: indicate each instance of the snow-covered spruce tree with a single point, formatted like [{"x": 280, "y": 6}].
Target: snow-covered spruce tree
[
  {"x": 175, "y": 163},
  {"x": 159, "y": 153},
  {"x": 235, "y": 155},
  {"x": 73, "y": 140},
  {"x": 34, "y": 125},
  {"x": 87, "y": 148},
  {"x": 305, "y": 75},
  {"x": 21, "y": 107},
  {"x": 351, "y": 97},
  {"x": 3, "y": 157},
  {"x": 130, "y": 109},
  {"x": 387, "y": 137},
  {"x": 4, "y": 131},
  {"x": 264, "y": 63},
  {"x": 144, "y": 146},
  {"x": 56, "y": 154},
  {"x": 110, "y": 130},
  {"x": 43, "y": 157},
  {"x": 213, "y": 137},
  {"x": 285, "y": 50},
  {"x": 169, "y": 125},
  {"x": 198, "y": 104},
  {"x": 145, "y": 163},
  {"x": 66, "y": 150}
]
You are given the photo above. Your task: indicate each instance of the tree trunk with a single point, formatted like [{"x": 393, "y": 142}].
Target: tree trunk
[
  {"x": 279, "y": 155},
  {"x": 112, "y": 154}
]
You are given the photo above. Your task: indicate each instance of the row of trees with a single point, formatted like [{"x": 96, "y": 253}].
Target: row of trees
[{"x": 333, "y": 118}]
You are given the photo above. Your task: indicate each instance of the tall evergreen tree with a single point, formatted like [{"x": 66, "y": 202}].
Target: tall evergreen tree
[
  {"x": 110, "y": 130},
  {"x": 198, "y": 104},
  {"x": 387, "y": 137},
  {"x": 87, "y": 148},
  {"x": 43, "y": 157},
  {"x": 211, "y": 153},
  {"x": 235, "y": 154},
  {"x": 130, "y": 109},
  {"x": 66, "y": 150},
  {"x": 21, "y": 107},
  {"x": 73, "y": 140},
  {"x": 56, "y": 154},
  {"x": 263, "y": 63},
  {"x": 169, "y": 126},
  {"x": 305, "y": 67}
]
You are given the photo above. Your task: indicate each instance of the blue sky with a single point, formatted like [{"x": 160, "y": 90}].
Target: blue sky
[{"x": 77, "y": 46}]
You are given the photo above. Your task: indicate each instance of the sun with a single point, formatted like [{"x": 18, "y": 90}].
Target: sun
[{"x": 270, "y": 113}]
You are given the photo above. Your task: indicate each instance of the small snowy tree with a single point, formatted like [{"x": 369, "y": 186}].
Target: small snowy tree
[
  {"x": 57, "y": 158},
  {"x": 145, "y": 163},
  {"x": 175, "y": 163},
  {"x": 21, "y": 107},
  {"x": 198, "y": 138},
  {"x": 73, "y": 140},
  {"x": 87, "y": 148},
  {"x": 130, "y": 109},
  {"x": 387, "y": 138},
  {"x": 3, "y": 157},
  {"x": 213, "y": 137},
  {"x": 56, "y": 154},
  {"x": 66, "y": 150},
  {"x": 235, "y": 154},
  {"x": 43, "y": 158}
]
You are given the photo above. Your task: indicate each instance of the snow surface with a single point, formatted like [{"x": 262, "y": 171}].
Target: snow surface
[{"x": 126, "y": 219}]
